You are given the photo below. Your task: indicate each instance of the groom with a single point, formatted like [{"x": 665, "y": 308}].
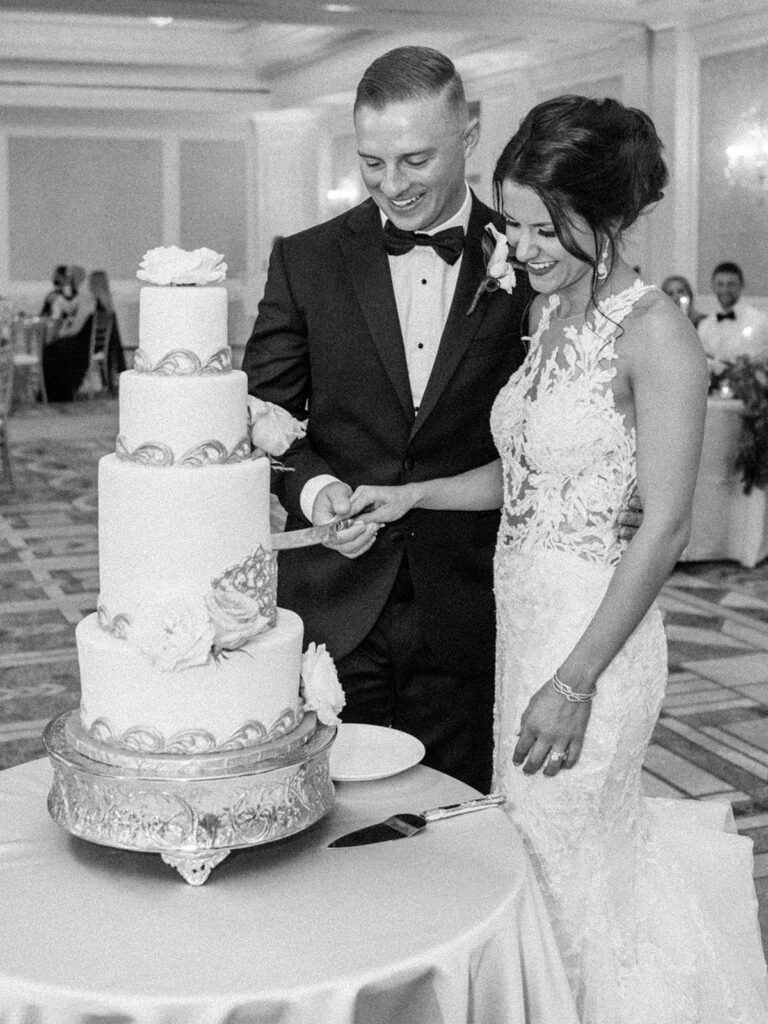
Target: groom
[{"x": 364, "y": 328}]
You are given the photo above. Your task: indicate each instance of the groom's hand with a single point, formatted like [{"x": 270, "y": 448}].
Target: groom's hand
[{"x": 333, "y": 501}]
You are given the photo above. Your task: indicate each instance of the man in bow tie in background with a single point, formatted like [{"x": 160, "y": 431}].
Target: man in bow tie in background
[
  {"x": 368, "y": 327},
  {"x": 736, "y": 329}
]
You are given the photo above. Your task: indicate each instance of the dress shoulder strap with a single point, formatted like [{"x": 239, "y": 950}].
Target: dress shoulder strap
[{"x": 612, "y": 310}]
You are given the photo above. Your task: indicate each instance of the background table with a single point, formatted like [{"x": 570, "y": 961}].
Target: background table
[
  {"x": 726, "y": 522},
  {"x": 442, "y": 928}
]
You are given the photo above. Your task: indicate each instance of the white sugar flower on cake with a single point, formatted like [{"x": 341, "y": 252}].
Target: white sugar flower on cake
[
  {"x": 320, "y": 686},
  {"x": 175, "y": 632},
  {"x": 167, "y": 265},
  {"x": 273, "y": 430}
]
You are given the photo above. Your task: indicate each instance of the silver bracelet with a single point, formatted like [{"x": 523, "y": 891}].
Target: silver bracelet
[{"x": 568, "y": 693}]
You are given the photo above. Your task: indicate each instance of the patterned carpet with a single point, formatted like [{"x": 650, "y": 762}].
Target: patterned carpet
[{"x": 711, "y": 741}]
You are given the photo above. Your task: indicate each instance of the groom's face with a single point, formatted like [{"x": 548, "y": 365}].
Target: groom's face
[{"x": 412, "y": 159}]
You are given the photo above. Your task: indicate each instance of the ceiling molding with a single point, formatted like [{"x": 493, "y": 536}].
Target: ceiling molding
[{"x": 297, "y": 52}]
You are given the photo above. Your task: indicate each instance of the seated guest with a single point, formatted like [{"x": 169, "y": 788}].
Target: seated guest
[
  {"x": 679, "y": 290},
  {"x": 65, "y": 360},
  {"x": 60, "y": 294},
  {"x": 63, "y": 305},
  {"x": 736, "y": 329}
]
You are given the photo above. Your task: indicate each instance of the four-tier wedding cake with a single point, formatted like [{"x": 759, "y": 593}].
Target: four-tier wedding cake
[{"x": 188, "y": 652}]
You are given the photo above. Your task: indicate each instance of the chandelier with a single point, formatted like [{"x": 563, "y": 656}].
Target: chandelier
[{"x": 746, "y": 159}]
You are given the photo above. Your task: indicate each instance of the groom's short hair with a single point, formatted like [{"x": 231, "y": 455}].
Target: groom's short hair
[{"x": 407, "y": 73}]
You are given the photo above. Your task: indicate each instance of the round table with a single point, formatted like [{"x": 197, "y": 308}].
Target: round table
[
  {"x": 444, "y": 927},
  {"x": 726, "y": 522}
]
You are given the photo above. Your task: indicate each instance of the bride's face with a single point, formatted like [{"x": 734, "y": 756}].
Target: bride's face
[{"x": 533, "y": 240}]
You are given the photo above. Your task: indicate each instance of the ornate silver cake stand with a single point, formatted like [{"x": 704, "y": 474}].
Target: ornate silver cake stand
[{"x": 192, "y": 810}]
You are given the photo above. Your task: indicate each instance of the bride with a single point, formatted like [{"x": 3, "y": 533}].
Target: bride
[{"x": 652, "y": 901}]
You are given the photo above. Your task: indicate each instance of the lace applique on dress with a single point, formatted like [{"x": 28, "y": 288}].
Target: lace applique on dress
[
  {"x": 568, "y": 457},
  {"x": 651, "y": 902}
]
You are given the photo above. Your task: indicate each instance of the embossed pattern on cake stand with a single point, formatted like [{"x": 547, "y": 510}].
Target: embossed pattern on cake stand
[{"x": 193, "y": 811}]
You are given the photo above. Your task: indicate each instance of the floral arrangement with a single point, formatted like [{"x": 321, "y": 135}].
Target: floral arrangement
[
  {"x": 498, "y": 267},
  {"x": 179, "y": 631},
  {"x": 320, "y": 686},
  {"x": 167, "y": 265},
  {"x": 748, "y": 381},
  {"x": 272, "y": 429}
]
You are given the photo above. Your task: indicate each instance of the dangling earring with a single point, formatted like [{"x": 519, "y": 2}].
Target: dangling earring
[{"x": 602, "y": 267}]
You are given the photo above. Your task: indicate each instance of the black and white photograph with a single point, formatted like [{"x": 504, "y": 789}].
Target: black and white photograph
[{"x": 383, "y": 512}]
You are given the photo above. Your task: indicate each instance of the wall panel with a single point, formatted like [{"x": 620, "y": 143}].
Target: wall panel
[
  {"x": 87, "y": 200},
  {"x": 212, "y": 199}
]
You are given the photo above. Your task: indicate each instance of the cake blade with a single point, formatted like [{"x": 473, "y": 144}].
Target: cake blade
[{"x": 312, "y": 535}]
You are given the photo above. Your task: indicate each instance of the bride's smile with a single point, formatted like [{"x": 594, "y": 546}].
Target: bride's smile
[{"x": 533, "y": 239}]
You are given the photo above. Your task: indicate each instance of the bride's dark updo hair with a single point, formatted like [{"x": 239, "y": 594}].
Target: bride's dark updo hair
[{"x": 597, "y": 159}]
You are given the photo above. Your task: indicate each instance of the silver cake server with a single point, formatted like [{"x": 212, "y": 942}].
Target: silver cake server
[{"x": 401, "y": 826}]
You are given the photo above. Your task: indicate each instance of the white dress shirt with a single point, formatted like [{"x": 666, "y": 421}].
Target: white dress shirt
[
  {"x": 424, "y": 285},
  {"x": 726, "y": 340}
]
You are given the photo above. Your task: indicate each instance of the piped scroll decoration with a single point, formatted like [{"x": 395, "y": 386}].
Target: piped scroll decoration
[
  {"x": 118, "y": 627},
  {"x": 182, "y": 362},
  {"x": 150, "y": 453},
  {"x": 150, "y": 740},
  {"x": 207, "y": 453}
]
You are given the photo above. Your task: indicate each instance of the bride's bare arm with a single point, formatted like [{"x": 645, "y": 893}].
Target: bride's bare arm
[
  {"x": 473, "y": 491},
  {"x": 668, "y": 378}
]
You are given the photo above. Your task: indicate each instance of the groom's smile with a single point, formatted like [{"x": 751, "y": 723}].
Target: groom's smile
[{"x": 412, "y": 158}]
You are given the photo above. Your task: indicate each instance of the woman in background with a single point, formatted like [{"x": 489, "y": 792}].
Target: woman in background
[{"x": 679, "y": 290}]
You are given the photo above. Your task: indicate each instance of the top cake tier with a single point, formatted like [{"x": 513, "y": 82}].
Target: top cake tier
[{"x": 182, "y": 324}]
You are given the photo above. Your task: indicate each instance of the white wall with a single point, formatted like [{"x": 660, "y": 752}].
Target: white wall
[{"x": 233, "y": 170}]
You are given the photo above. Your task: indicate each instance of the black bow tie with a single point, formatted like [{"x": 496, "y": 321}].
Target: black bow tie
[
  {"x": 730, "y": 315},
  {"x": 448, "y": 244}
]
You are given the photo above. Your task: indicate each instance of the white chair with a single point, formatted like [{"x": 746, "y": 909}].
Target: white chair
[
  {"x": 28, "y": 337},
  {"x": 6, "y": 392}
]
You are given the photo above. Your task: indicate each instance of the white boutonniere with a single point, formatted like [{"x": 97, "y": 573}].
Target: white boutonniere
[{"x": 498, "y": 267}]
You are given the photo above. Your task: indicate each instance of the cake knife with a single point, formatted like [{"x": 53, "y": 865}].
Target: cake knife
[
  {"x": 401, "y": 826},
  {"x": 311, "y": 535}
]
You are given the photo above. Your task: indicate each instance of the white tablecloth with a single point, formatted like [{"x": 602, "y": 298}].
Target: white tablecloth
[
  {"x": 726, "y": 522},
  {"x": 442, "y": 928}
]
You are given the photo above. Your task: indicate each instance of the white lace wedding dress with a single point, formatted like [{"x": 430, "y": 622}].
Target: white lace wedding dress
[{"x": 651, "y": 900}]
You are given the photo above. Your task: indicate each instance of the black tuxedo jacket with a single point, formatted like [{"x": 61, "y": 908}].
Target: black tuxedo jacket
[{"x": 327, "y": 344}]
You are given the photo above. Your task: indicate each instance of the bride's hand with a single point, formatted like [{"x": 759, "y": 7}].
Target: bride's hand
[
  {"x": 551, "y": 726},
  {"x": 382, "y": 504}
]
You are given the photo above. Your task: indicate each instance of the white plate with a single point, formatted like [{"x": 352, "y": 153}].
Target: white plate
[{"x": 361, "y": 753}]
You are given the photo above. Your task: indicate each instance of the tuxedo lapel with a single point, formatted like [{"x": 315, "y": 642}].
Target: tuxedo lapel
[
  {"x": 459, "y": 328},
  {"x": 367, "y": 268}
]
